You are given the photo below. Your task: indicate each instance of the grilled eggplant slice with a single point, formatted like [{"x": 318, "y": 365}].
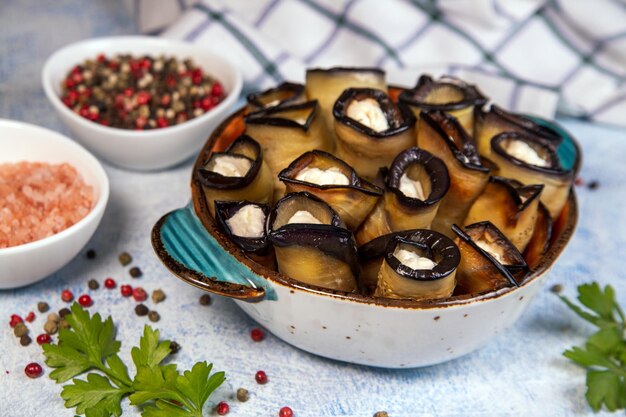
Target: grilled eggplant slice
[
  {"x": 489, "y": 261},
  {"x": 496, "y": 120},
  {"x": 243, "y": 222},
  {"x": 448, "y": 94},
  {"x": 283, "y": 95},
  {"x": 420, "y": 265},
  {"x": 325, "y": 85},
  {"x": 371, "y": 129},
  {"x": 285, "y": 133},
  {"x": 335, "y": 182},
  {"x": 414, "y": 187},
  {"x": 443, "y": 136},
  {"x": 540, "y": 240},
  {"x": 511, "y": 207},
  {"x": 239, "y": 173},
  {"x": 312, "y": 244},
  {"x": 530, "y": 160}
]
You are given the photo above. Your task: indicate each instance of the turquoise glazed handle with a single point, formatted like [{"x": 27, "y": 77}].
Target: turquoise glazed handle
[{"x": 194, "y": 255}]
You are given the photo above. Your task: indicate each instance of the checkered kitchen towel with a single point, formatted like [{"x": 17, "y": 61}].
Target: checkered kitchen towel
[{"x": 537, "y": 56}]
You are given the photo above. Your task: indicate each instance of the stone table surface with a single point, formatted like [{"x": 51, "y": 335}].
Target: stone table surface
[{"x": 521, "y": 373}]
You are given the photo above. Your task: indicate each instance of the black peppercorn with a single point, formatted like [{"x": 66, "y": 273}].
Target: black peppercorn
[
  {"x": 25, "y": 340},
  {"x": 135, "y": 272},
  {"x": 153, "y": 316},
  {"x": 93, "y": 284},
  {"x": 593, "y": 185},
  {"x": 141, "y": 310},
  {"x": 91, "y": 254},
  {"x": 43, "y": 307},
  {"x": 125, "y": 258},
  {"x": 205, "y": 299},
  {"x": 64, "y": 312},
  {"x": 174, "y": 347}
]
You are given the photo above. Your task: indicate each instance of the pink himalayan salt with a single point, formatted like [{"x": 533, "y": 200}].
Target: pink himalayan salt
[{"x": 38, "y": 200}]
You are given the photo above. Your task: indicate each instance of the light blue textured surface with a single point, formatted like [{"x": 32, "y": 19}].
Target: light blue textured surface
[{"x": 522, "y": 373}]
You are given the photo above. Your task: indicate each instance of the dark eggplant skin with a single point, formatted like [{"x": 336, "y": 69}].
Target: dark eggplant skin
[
  {"x": 556, "y": 180},
  {"x": 442, "y": 135},
  {"x": 331, "y": 238},
  {"x": 479, "y": 271},
  {"x": 214, "y": 180},
  {"x": 271, "y": 116},
  {"x": 396, "y": 280},
  {"x": 399, "y": 117},
  {"x": 224, "y": 210},
  {"x": 496, "y": 120},
  {"x": 352, "y": 202},
  {"x": 469, "y": 98},
  {"x": 364, "y": 148},
  {"x": 294, "y": 94}
]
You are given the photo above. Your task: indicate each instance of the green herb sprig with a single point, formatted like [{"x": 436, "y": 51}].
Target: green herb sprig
[
  {"x": 158, "y": 388},
  {"x": 604, "y": 353}
]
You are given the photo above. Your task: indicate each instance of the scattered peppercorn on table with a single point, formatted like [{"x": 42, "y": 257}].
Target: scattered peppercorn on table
[{"x": 117, "y": 274}]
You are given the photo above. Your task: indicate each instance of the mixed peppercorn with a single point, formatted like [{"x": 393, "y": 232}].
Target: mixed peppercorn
[{"x": 140, "y": 93}]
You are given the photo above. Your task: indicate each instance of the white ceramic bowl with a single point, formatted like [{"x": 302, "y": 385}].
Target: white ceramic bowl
[
  {"x": 25, "y": 264},
  {"x": 150, "y": 149}
]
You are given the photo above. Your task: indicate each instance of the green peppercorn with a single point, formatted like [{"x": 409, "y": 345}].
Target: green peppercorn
[
  {"x": 20, "y": 330},
  {"x": 51, "y": 327},
  {"x": 63, "y": 324},
  {"x": 25, "y": 340},
  {"x": 93, "y": 284},
  {"x": 43, "y": 307},
  {"x": 243, "y": 395},
  {"x": 153, "y": 316},
  {"x": 381, "y": 414}
]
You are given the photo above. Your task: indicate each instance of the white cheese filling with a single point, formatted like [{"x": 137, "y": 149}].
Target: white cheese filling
[
  {"x": 248, "y": 221},
  {"x": 413, "y": 260},
  {"x": 368, "y": 113},
  {"x": 411, "y": 188},
  {"x": 231, "y": 166},
  {"x": 330, "y": 176},
  {"x": 491, "y": 248},
  {"x": 303, "y": 217},
  {"x": 524, "y": 152}
]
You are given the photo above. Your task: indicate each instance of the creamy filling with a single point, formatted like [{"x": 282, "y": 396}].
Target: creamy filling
[
  {"x": 248, "y": 221},
  {"x": 526, "y": 153},
  {"x": 413, "y": 260},
  {"x": 411, "y": 188},
  {"x": 303, "y": 217},
  {"x": 368, "y": 113},
  {"x": 231, "y": 166},
  {"x": 330, "y": 176},
  {"x": 491, "y": 248}
]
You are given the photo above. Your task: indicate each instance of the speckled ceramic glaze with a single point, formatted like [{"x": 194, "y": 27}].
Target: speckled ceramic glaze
[{"x": 348, "y": 327}]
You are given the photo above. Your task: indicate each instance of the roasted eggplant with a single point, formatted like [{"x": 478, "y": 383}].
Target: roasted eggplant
[
  {"x": 284, "y": 94},
  {"x": 335, "y": 182},
  {"x": 238, "y": 173},
  {"x": 312, "y": 244},
  {"x": 243, "y": 222},
  {"x": 325, "y": 85},
  {"x": 414, "y": 187},
  {"x": 420, "y": 265},
  {"x": 441, "y": 134},
  {"x": 510, "y": 206},
  {"x": 496, "y": 120},
  {"x": 540, "y": 240},
  {"x": 530, "y": 160},
  {"x": 285, "y": 133},
  {"x": 447, "y": 94},
  {"x": 371, "y": 129},
  {"x": 489, "y": 261}
]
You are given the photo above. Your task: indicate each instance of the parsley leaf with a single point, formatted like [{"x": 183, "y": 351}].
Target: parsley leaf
[
  {"x": 604, "y": 353},
  {"x": 161, "y": 390}
]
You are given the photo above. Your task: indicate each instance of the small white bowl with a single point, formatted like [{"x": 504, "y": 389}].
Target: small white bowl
[
  {"x": 149, "y": 149},
  {"x": 28, "y": 263}
]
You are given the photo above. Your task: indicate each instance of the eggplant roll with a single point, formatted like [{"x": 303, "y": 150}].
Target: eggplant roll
[
  {"x": 284, "y": 94},
  {"x": 420, "y": 265},
  {"x": 333, "y": 181},
  {"x": 443, "y": 136},
  {"x": 325, "y": 85},
  {"x": 414, "y": 187},
  {"x": 496, "y": 120},
  {"x": 312, "y": 244},
  {"x": 243, "y": 223},
  {"x": 511, "y": 207},
  {"x": 540, "y": 240},
  {"x": 529, "y": 160},
  {"x": 285, "y": 133},
  {"x": 447, "y": 94},
  {"x": 238, "y": 173},
  {"x": 489, "y": 261},
  {"x": 371, "y": 129}
]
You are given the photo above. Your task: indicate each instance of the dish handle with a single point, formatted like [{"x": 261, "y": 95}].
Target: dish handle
[{"x": 192, "y": 254}]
